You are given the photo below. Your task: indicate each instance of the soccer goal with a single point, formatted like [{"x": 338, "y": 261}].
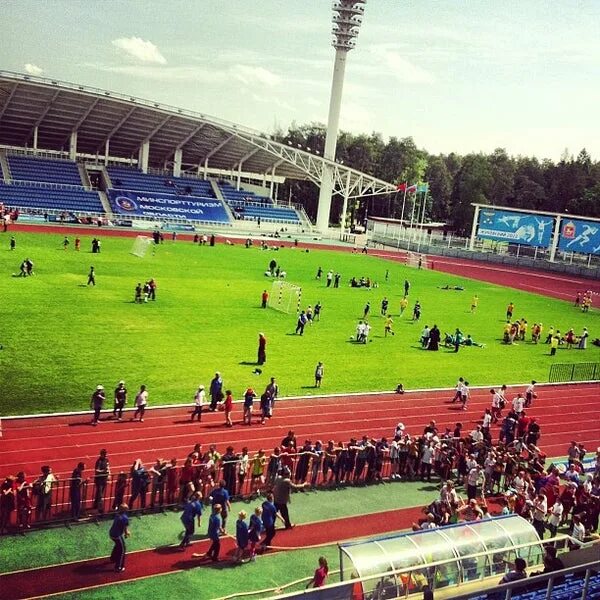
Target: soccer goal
[
  {"x": 141, "y": 245},
  {"x": 285, "y": 297},
  {"x": 419, "y": 261}
]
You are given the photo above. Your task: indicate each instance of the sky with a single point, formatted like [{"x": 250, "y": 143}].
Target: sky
[{"x": 456, "y": 75}]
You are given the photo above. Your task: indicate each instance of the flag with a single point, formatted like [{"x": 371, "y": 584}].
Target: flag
[
  {"x": 412, "y": 189},
  {"x": 401, "y": 187},
  {"x": 422, "y": 187}
]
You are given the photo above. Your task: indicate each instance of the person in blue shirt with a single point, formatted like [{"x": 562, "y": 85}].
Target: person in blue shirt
[
  {"x": 118, "y": 532},
  {"x": 191, "y": 511},
  {"x": 269, "y": 516},
  {"x": 241, "y": 536},
  {"x": 215, "y": 530},
  {"x": 220, "y": 495},
  {"x": 256, "y": 528}
]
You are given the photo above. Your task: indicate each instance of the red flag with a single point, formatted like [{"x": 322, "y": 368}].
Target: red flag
[
  {"x": 401, "y": 187},
  {"x": 412, "y": 189}
]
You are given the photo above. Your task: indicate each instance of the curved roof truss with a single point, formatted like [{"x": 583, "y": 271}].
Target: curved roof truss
[{"x": 44, "y": 113}]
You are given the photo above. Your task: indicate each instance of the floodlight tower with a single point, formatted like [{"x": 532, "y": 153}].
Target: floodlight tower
[{"x": 347, "y": 19}]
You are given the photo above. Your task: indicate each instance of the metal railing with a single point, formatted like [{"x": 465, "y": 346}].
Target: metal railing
[
  {"x": 102, "y": 495},
  {"x": 574, "y": 372},
  {"x": 50, "y": 185}
]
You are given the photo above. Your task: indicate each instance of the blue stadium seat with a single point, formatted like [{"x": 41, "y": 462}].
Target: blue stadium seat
[
  {"x": 125, "y": 178},
  {"x": 31, "y": 168},
  {"x": 68, "y": 199}
]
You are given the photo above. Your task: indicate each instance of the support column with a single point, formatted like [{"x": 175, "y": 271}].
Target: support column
[
  {"x": 35, "y": 138},
  {"x": 345, "y": 205},
  {"x": 272, "y": 183},
  {"x": 555, "y": 238},
  {"x": 333, "y": 121},
  {"x": 143, "y": 156},
  {"x": 106, "y": 151},
  {"x": 239, "y": 177},
  {"x": 177, "y": 162},
  {"x": 206, "y": 169},
  {"x": 474, "y": 228},
  {"x": 73, "y": 145}
]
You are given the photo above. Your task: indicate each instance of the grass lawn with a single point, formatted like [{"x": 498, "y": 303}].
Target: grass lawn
[{"x": 61, "y": 338}]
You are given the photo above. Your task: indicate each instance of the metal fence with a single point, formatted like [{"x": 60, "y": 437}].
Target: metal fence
[
  {"x": 71, "y": 500},
  {"x": 574, "y": 372}
]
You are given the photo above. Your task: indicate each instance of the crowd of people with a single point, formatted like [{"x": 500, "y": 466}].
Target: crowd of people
[{"x": 515, "y": 331}]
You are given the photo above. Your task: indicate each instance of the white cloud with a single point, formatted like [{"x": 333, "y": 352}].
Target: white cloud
[
  {"x": 401, "y": 68},
  {"x": 143, "y": 50},
  {"x": 248, "y": 75},
  {"x": 33, "y": 69}
]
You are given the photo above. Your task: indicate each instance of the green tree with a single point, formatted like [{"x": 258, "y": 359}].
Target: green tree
[{"x": 471, "y": 185}]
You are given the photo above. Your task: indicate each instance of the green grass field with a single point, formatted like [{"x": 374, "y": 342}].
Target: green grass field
[{"x": 61, "y": 338}]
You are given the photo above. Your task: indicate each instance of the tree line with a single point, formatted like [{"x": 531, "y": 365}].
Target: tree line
[{"x": 455, "y": 182}]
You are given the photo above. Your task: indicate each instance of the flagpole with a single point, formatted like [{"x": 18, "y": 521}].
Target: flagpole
[
  {"x": 422, "y": 218},
  {"x": 403, "y": 205},
  {"x": 412, "y": 217}
]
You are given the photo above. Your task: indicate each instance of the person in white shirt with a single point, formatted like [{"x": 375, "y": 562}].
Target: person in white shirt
[
  {"x": 519, "y": 484},
  {"x": 367, "y": 329},
  {"x": 518, "y": 404},
  {"x": 578, "y": 531},
  {"x": 199, "y": 399},
  {"x": 141, "y": 400},
  {"x": 540, "y": 508},
  {"x": 556, "y": 513},
  {"x": 498, "y": 402},
  {"x": 530, "y": 394},
  {"x": 477, "y": 435},
  {"x": 394, "y": 459},
  {"x": 448, "y": 494},
  {"x": 426, "y": 462},
  {"x": 473, "y": 480}
]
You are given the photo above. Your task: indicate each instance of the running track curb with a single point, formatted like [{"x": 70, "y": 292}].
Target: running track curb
[{"x": 315, "y": 397}]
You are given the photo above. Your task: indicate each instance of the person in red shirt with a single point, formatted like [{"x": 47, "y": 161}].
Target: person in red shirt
[
  {"x": 320, "y": 575},
  {"x": 522, "y": 426},
  {"x": 228, "y": 407},
  {"x": 264, "y": 299}
]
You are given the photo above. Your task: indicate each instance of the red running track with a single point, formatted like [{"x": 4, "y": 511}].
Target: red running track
[
  {"x": 87, "y": 574},
  {"x": 564, "y": 412},
  {"x": 554, "y": 285}
]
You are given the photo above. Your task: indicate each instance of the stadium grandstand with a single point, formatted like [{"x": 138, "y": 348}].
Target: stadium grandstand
[{"x": 91, "y": 153}]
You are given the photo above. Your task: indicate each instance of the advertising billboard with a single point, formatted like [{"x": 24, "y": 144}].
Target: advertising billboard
[
  {"x": 579, "y": 235},
  {"x": 515, "y": 227},
  {"x": 160, "y": 206}
]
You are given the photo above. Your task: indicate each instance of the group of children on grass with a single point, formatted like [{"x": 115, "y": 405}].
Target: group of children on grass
[{"x": 515, "y": 331}]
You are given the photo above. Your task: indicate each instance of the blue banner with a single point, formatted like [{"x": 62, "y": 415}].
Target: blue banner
[
  {"x": 515, "y": 228},
  {"x": 577, "y": 235},
  {"x": 167, "y": 206}
]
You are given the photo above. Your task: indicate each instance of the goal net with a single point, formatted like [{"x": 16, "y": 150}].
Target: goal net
[
  {"x": 285, "y": 297},
  {"x": 419, "y": 261},
  {"x": 141, "y": 245}
]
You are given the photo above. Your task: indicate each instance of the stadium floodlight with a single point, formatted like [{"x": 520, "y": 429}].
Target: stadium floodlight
[{"x": 347, "y": 19}]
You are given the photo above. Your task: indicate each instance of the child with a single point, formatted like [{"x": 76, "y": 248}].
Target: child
[
  {"x": 320, "y": 575},
  {"x": 257, "y": 473},
  {"x": 228, "y": 407},
  {"x": 120, "y": 488},
  {"x": 464, "y": 395},
  {"x": 256, "y": 527},
  {"x": 249, "y": 396},
  {"x": 241, "y": 536},
  {"x": 172, "y": 483}
]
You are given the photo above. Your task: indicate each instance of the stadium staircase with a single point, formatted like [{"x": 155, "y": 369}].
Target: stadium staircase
[{"x": 4, "y": 168}]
